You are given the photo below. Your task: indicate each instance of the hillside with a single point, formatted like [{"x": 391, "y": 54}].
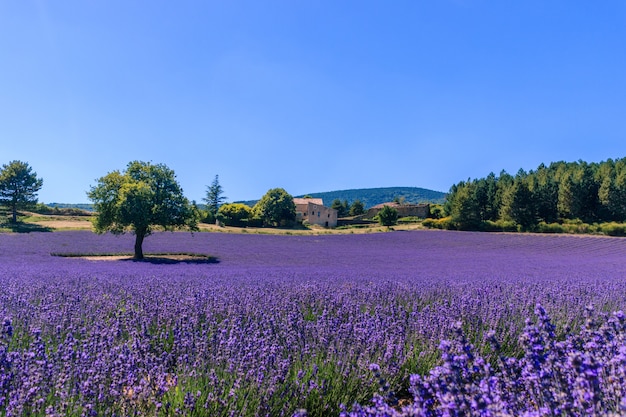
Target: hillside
[{"x": 372, "y": 196}]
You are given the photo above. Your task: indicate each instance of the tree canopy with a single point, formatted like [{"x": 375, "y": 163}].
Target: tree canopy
[
  {"x": 342, "y": 207},
  {"x": 276, "y": 208},
  {"x": 388, "y": 216},
  {"x": 18, "y": 186},
  {"x": 356, "y": 208},
  {"x": 234, "y": 214},
  {"x": 591, "y": 192},
  {"x": 143, "y": 196}
]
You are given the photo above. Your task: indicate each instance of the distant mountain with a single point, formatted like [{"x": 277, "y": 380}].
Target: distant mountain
[
  {"x": 87, "y": 207},
  {"x": 373, "y": 196}
]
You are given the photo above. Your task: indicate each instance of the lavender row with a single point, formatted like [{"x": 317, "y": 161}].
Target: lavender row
[{"x": 281, "y": 323}]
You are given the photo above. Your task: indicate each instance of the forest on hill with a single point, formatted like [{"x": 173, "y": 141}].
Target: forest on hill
[
  {"x": 373, "y": 196},
  {"x": 559, "y": 193}
]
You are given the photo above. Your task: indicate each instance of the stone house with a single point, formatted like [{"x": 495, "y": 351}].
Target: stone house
[
  {"x": 313, "y": 211},
  {"x": 421, "y": 210}
]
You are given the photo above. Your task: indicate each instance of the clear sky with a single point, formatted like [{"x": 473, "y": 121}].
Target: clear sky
[{"x": 308, "y": 95}]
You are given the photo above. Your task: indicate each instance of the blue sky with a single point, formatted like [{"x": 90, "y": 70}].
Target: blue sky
[{"x": 308, "y": 95}]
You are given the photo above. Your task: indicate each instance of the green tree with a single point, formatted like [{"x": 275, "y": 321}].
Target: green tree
[
  {"x": 485, "y": 194},
  {"x": 341, "y": 207},
  {"x": 234, "y": 214},
  {"x": 357, "y": 208},
  {"x": 388, "y": 216},
  {"x": 18, "y": 186},
  {"x": 545, "y": 192},
  {"x": 214, "y": 198},
  {"x": 519, "y": 206},
  {"x": 464, "y": 209},
  {"x": 143, "y": 196},
  {"x": 276, "y": 208}
]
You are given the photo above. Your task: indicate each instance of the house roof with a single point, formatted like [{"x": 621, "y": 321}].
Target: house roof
[{"x": 317, "y": 201}]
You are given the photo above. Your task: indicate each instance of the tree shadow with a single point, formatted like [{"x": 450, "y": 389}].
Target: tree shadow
[
  {"x": 170, "y": 260},
  {"x": 21, "y": 227}
]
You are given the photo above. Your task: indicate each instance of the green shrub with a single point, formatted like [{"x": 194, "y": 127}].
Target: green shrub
[
  {"x": 388, "y": 216},
  {"x": 436, "y": 211},
  {"x": 500, "y": 226},
  {"x": 409, "y": 219},
  {"x": 613, "y": 229},
  {"x": 234, "y": 214},
  {"x": 544, "y": 227},
  {"x": 444, "y": 223},
  {"x": 255, "y": 221}
]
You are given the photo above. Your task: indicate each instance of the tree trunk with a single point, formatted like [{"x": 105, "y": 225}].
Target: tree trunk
[
  {"x": 139, "y": 235},
  {"x": 14, "y": 212}
]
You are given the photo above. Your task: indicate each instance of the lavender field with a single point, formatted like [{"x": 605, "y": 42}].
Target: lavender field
[{"x": 422, "y": 323}]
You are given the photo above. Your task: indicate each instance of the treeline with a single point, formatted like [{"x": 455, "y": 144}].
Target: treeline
[{"x": 550, "y": 195}]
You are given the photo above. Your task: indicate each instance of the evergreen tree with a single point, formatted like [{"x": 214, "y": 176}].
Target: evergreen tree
[
  {"x": 214, "y": 197},
  {"x": 519, "y": 205},
  {"x": 18, "y": 186},
  {"x": 464, "y": 209},
  {"x": 357, "y": 208},
  {"x": 341, "y": 207}
]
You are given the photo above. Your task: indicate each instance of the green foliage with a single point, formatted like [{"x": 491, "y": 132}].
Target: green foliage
[
  {"x": 234, "y": 214},
  {"x": 613, "y": 229},
  {"x": 214, "y": 199},
  {"x": 436, "y": 211},
  {"x": 18, "y": 186},
  {"x": 143, "y": 196},
  {"x": 444, "y": 223},
  {"x": 544, "y": 227},
  {"x": 357, "y": 208},
  {"x": 464, "y": 209},
  {"x": 519, "y": 205},
  {"x": 276, "y": 208},
  {"x": 342, "y": 207},
  {"x": 500, "y": 226},
  {"x": 388, "y": 216},
  {"x": 537, "y": 200}
]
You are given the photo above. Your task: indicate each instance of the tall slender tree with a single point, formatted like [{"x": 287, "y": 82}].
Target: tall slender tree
[
  {"x": 18, "y": 186},
  {"x": 214, "y": 197}
]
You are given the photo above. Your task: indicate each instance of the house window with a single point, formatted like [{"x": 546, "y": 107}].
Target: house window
[{"x": 318, "y": 214}]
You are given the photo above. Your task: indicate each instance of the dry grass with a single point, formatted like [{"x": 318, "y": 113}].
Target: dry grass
[{"x": 84, "y": 223}]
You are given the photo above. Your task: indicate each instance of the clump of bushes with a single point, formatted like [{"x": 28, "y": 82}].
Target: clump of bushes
[
  {"x": 501, "y": 226},
  {"x": 444, "y": 223},
  {"x": 234, "y": 214},
  {"x": 574, "y": 226},
  {"x": 613, "y": 229}
]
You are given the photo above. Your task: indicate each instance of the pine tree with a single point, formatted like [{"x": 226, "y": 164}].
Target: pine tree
[{"x": 214, "y": 197}]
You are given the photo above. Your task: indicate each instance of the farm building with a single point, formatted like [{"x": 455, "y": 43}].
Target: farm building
[
  {"x": 404, "y": 210},
  {"x": 313, "y": 211}
]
